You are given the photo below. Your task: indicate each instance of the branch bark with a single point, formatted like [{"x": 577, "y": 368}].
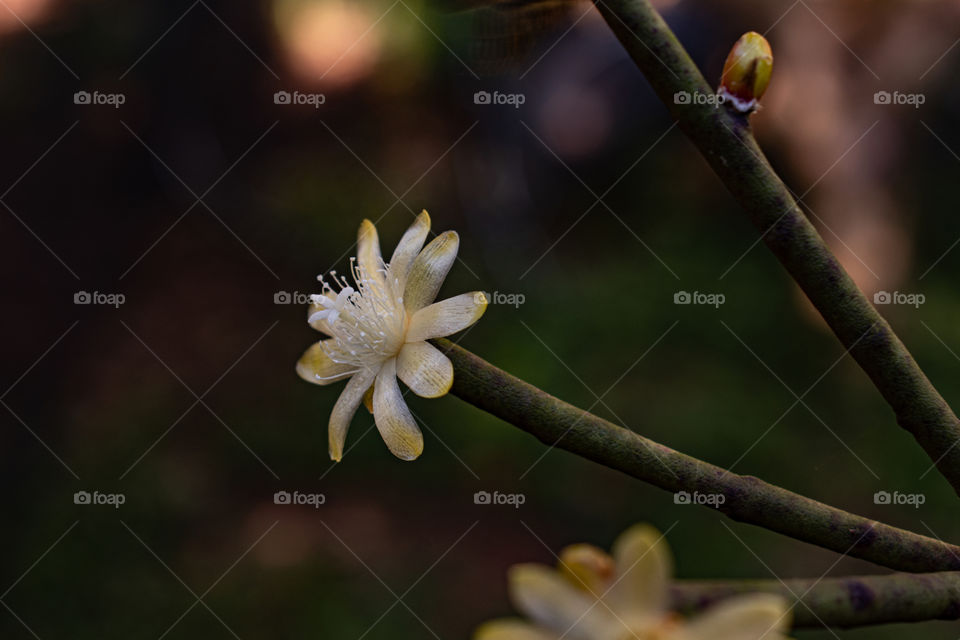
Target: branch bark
[
  {"x": 852, "y": 601},
  {"x": 726, "y": 141},
  {"x": 747, "y": 499}
]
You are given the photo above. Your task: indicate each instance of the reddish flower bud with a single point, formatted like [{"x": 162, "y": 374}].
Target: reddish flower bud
[{"x": 746, "y": 73}]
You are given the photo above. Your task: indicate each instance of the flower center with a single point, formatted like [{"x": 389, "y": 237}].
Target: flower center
[{"x": 368, "y": 323}]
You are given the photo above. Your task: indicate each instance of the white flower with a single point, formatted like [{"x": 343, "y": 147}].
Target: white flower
[
  {"x": 378, "y": 330},
  {"x": 593, "y": 596}
]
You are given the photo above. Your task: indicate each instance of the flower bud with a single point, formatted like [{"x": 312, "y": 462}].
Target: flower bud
[
  {"x": 746, "y": 73},
  {"x": 587, "y": 568}
]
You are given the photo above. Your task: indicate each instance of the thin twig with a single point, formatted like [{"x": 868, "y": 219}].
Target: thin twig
[
  {"x": 725, "y": 139},
  {"x": 850, "y": 601},
  {"x": 746, "y": 498}
]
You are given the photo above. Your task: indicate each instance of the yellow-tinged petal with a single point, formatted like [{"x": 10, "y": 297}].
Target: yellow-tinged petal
[
  {"x": 429, "y": 269},
  {"x": 368, "y": 249},
  {"x": 511, "y": 630},
  {"x": 446, "y": 317},
  {"x": 316, "y": 366},
  {"x": 762, "y": 616},
  {"x": 587, "y": 568},
  {"x": 368, "y": 398},
  {"x": 409, "y": 246},
  {"x": 644, "y": 567},
  {"x": 551, "y": 601},
  {"x": 394, "y": 420},
  {"x": 424, "y": 369},
  {"x": 344, "y": 409}
]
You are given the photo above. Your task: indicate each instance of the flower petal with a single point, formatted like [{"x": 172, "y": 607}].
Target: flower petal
[
  {"x": 394, "y": 420},
  {"x": 317, "y": 320},
  {"x": 429, "y": 269},
  {"x": 644, "y": 568},
  {"x": 446, "y": 317},
  {"x": 551, "y": 601},
  {"x": 760, "y": 616},
  {"x": 368, "y": 249},
  {"x": 343, "y": 411},
  {"x": 511, "y": 630},
  {"x": 316, "y": 366},
  {"x": 409, "y": 246},
  {"x": 368, "y": 399},
  {"x": 424, "y": 369}
]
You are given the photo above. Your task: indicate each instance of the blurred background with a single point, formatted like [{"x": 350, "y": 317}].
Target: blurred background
[{"x": 186, "y": 169}]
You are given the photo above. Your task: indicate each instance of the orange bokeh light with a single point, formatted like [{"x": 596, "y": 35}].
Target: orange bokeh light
[
  {"x": 14, "y": 14},
  {"x": 329, "y": 42}
]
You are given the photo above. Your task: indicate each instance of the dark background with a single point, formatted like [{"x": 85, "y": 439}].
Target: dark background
[{"x": 184, "y": 398}]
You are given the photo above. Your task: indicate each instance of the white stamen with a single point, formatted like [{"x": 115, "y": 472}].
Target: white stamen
[{"x": 368, "y": 323}]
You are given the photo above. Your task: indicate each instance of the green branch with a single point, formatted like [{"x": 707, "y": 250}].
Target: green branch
[
  {"x": 726, "y": 141},
  {"x": 841, "y": 602},
  {"x": 747, "y": 499}
]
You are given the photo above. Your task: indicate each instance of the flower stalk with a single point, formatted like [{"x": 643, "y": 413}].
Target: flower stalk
[
  {"x": 747, "y": 499},
  {"x": 842, "y": 602}
]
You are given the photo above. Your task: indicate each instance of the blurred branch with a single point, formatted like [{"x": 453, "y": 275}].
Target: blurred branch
[
  {"x": 726, "y": 141},
  {"x": 841, "y": 602},
  {"x": 747, "y": 499}
]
